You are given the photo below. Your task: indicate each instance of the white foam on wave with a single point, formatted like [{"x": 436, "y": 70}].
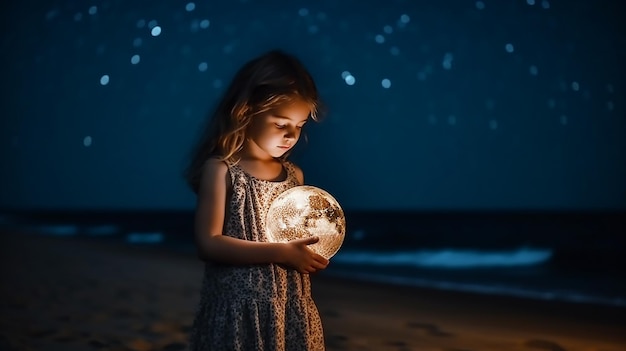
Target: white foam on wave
[
  {"x": 448, "y": 258},
  {"x": 145, "y": 237},
  {"x": 490, "y": 289}
]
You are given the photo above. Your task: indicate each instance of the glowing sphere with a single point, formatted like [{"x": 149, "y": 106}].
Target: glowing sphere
[{"x": 304, "y": 211}]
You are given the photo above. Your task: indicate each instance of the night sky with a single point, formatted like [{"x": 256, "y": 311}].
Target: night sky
[{"x": 432, "y": 105}]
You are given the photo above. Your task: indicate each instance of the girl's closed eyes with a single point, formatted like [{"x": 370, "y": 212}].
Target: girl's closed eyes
[{"x": 283, "y": 126}]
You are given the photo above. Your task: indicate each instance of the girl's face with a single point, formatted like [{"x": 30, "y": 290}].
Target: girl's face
[{"x": 275, "y": 133}]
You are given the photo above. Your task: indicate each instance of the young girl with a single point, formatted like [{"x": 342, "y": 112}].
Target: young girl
[{"x": 256, "y": 295}]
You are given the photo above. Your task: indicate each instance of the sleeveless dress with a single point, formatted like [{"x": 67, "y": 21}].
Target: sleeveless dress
[{"x": 255, "y": 307}]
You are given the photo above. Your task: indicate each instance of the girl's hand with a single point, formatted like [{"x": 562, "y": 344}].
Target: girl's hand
[{"x": 297, "y": 254}]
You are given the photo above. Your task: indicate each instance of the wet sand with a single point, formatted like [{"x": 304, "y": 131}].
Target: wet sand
[{"x": 67, "y": 293}]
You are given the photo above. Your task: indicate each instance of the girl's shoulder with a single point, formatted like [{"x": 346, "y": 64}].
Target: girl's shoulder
[
  {"x": 218, "y": 163},
  {"x": 215, "y": 171},
  {"x": 213, "y": 164}
]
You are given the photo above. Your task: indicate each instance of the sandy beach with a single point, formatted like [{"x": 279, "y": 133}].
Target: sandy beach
[{"x": 60, "y": 293}]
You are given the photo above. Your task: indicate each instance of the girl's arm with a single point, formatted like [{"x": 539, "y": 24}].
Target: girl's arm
[{"x": 213, "y": 246}]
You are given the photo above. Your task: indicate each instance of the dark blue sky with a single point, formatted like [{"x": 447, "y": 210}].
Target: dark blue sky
[{"x": 444, "y": 105}]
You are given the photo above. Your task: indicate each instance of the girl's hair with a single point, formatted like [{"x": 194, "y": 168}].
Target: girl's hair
[{"x": 260, "y": 86}]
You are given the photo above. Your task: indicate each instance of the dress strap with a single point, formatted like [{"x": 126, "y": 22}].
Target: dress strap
[
  {"x": 233, "y": 168},
  {"x": 291, "y": 171}
]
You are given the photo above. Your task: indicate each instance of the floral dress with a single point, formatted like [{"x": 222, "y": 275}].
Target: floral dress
[{"x": 255, "y": 307}]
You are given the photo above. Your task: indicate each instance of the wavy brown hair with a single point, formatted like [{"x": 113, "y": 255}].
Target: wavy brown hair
[{"x": 260, "y": 86}]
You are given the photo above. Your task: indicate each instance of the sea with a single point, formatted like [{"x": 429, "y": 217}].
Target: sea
[{"x": 575, "y": 257}]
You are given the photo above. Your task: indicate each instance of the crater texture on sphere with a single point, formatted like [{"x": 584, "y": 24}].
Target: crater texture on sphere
[{"x": 305, "y": 211}]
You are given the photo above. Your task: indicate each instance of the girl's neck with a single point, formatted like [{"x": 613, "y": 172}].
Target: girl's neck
[
  {"x": 252, "y": 152},
  {"x": 246, "y": 155},
  {"x": 265, "y": 169},
  {"x": 258, "y": 163}
]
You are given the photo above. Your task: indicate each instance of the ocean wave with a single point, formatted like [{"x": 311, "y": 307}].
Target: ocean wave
[
  {"x": 485, "y": 288},
  {"x": 448, "y": 258}
]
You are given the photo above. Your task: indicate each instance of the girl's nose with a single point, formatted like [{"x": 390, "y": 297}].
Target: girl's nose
[{"x": 290, "y": 133}]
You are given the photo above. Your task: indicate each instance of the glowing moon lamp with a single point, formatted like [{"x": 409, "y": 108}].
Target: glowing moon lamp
[{"x": 304, "y": 211}]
